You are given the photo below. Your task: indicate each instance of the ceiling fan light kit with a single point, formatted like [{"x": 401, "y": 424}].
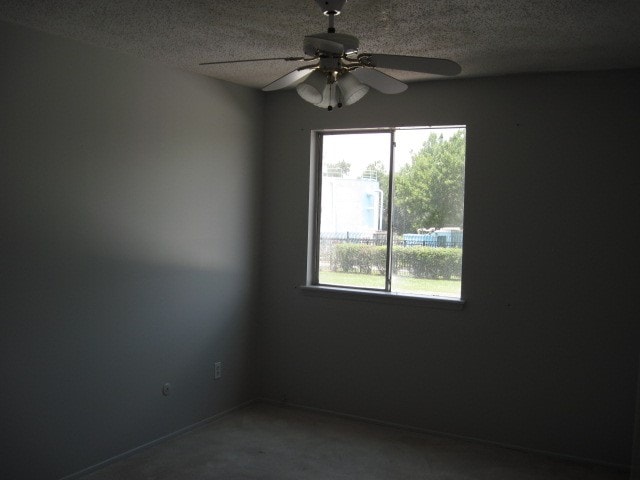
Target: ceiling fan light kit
[
  {"x": 312, "y": 88},
  {"x": 340, "y": 75},
  {"x": 351, "y": 88},
  {"x": 330, "y": 99}
]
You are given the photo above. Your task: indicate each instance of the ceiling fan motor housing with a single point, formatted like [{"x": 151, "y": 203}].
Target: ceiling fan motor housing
[{"x": 330, "y": 44}]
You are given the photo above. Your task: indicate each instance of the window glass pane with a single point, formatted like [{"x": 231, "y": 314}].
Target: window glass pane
[
  {"x": 353, "y": 218},
  {"x": 428, "y": 201}
]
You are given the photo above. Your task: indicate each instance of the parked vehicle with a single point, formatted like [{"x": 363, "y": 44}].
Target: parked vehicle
[{"x": 443, "y": 237}]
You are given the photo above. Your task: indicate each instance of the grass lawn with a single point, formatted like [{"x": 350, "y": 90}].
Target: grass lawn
[{"x": 399, "y": 284}]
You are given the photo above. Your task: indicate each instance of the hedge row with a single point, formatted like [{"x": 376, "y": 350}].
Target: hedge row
[{"x": 420, "y": 262}]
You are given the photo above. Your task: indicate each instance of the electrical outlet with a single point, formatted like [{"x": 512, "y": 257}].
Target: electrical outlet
[
  {"x": 166, "y": 389},
  {"x": 217, "y": 370}
]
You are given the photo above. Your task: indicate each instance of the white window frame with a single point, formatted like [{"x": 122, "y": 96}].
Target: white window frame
[{"x": 312, "y": 285}]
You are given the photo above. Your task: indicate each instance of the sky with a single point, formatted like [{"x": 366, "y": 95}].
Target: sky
[{"x": 361, "y": 150}]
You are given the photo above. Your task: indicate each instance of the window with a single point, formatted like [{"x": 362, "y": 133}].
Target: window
[{"x": 387, "y": 211}]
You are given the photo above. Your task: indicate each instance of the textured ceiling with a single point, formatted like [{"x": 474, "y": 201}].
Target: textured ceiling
[{"x": 486, "y": 37}]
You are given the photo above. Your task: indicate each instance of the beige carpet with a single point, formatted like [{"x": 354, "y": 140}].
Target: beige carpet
[{"x": 265, "y": 441}]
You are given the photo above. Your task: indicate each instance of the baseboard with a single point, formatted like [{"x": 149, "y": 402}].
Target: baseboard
[
  {"x": 155, "y": 442},
  {"x": 560, "y": 456}
]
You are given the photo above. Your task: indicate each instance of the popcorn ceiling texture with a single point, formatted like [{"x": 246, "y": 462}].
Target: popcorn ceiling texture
[{"x": 487, "y": 38}]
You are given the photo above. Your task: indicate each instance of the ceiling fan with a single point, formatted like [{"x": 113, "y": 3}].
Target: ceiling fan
[{"x": 342, "y": 76}]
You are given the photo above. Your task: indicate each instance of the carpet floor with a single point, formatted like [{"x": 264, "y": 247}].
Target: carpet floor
[{"x": 265, "y": 441}]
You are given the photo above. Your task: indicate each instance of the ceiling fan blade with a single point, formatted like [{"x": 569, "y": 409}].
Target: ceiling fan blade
[
  {"x": 438, "y": 66},
  {"x": 286, "y": 59},
  {"x": 378, "y": 80},
  {"x": 289, "y": 79}
]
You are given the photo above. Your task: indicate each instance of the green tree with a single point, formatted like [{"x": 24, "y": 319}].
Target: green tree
[
  {"x": 429, "y": 191},
  {"x": 341, "y": 168}
]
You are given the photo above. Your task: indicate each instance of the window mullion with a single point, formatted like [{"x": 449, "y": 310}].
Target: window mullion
[
  {"x": 317, "y": 203},
  {"x": 389, "y": 259}
]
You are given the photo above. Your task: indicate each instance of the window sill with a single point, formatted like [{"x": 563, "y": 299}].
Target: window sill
[{"x": 364, "y": 295}]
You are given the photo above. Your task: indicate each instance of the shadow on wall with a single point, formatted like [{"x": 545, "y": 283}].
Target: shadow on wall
[{"x": 87, "y": 344}]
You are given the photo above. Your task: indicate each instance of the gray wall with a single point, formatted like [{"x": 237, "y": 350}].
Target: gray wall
[
  {"x": 127, "y": 206},
  {"x": 544, "y": 354}
]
